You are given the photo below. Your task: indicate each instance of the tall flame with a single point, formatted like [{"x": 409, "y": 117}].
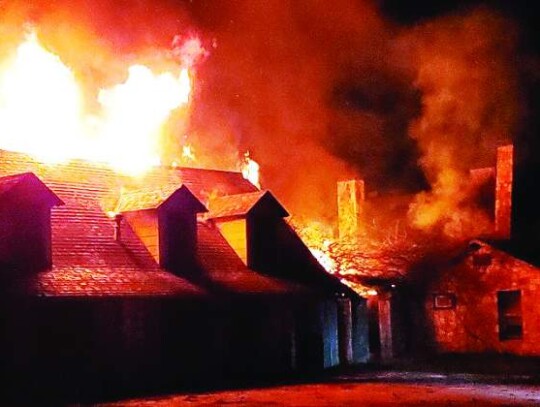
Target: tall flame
[
  {"x": 40, "y": 104},
  {"x": 134, "y": 114},
  {"x": 41, "y": 111}
]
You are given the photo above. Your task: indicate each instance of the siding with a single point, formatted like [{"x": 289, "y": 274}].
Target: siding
[{"x": 235, "y": 233}]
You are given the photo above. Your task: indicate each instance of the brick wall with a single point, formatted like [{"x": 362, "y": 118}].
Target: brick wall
[{"x": 472, "y": 323}]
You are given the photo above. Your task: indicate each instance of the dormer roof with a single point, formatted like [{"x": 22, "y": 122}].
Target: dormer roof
[
  {"x": 241, "y": 205},
  {"x": 27, "y": 186},
  {"x": 166, "y": 196}
]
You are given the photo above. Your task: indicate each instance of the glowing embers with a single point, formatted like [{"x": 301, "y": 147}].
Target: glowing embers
[
  {"x": 42, "y": 114},
  {"x": 324, "y": 257}
]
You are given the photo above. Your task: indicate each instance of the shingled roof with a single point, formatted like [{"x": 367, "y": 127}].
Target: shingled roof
[
  {"x": 153, "y": 198},
  {"x": 231, "y": 206},
  {"x": 227, "y": 272},
  {"x": 12, "y": 182},
  {"x": 88, "y": 261}
]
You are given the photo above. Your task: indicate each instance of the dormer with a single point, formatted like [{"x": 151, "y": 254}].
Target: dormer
[
  {"x": 25, "y": 222},
  {"x": 249, "y": 222},
  {"x": 166, "y": 222}
]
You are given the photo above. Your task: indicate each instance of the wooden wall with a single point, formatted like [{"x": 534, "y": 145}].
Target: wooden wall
[{"x": 235, "y": 233}]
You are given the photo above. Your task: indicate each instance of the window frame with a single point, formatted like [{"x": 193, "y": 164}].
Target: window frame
[
  {"x": 509, "y": 315},
  {"x": 450, "y": 298}
]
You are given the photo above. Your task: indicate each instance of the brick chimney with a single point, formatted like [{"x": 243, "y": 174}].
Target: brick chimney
[
  {"x": 25, "y": 222},
  {"x": 503, "y": 191},
  {"x": 350, "y": 200}
]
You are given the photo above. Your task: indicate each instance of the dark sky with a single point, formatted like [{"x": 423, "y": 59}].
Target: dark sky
[
  {"x": 414, "y": 11},
  {"x": 527, "y": 15}
]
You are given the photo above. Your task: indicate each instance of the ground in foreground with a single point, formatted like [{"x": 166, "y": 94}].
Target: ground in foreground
[{"x": 354, "y": 393}]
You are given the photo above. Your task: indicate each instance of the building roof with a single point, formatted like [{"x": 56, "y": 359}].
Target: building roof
[
  {"x": 11, "y": 183},
  {"x": 153, "y": 198},
  {"x": 405, "y": 259},
  {"x": 141, "y": 199},
  {"x": 88, "y": 261},
  {"x": 227, "y": 272},
  {"x": 518, "y": 249},
  {"x": 238, "y": 205},
  {"x": 73, "y": 282}
]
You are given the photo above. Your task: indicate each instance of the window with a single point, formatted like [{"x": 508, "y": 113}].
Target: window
[
  {"x": 444, "y": 301},
  {"x": 509, "y": 309}
]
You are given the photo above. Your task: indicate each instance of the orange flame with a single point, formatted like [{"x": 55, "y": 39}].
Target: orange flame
[
  {"x": 40, "y": 104},
  {"x": 250, "y": 170},
  {"x": 41, "y": 111},
  {"x": 324, "y": 258},
  {"x": 188, "y": 154}
]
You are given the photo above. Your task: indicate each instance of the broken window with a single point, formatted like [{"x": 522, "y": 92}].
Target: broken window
[{"x": 510, "y": 320}]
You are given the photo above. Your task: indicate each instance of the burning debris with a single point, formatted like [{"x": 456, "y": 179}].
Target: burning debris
[{"x": 366, "y": 260}]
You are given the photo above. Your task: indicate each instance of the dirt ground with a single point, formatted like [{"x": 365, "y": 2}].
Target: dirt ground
[{"x": 356, "y": 393}]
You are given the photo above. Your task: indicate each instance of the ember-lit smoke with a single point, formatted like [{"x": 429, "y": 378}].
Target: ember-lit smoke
[
  {"x": 468, "y": 76},
  {"x": 316, "y": 91},
  {"x": 320, "y": 93},
  {"x": 303, "y": 86}
]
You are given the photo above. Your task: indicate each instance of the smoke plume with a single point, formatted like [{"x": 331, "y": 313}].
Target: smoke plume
[
  {"x": 468, "y": 76},
  {"x": 316, "y": 92}
]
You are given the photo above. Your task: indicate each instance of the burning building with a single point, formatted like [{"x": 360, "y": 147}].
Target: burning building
[
  {"x": 145, "y": 272},
  {"x": 120, "y": 273},
  {"x": 111, "y": 282},
  {"x": 470, "y": 292}
]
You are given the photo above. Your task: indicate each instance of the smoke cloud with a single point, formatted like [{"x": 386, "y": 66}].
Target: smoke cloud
[
  {"x": 317, "y": 92},
  {"x": 468, "y": 76}
]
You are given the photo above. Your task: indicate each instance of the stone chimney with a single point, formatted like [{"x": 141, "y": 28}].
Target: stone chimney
[
  {"x": 350, "y": 200},
  {"x": 503, "y": 191}
]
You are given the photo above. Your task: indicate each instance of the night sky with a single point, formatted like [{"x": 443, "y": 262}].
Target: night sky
[{"x": 523, "y": 12}]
